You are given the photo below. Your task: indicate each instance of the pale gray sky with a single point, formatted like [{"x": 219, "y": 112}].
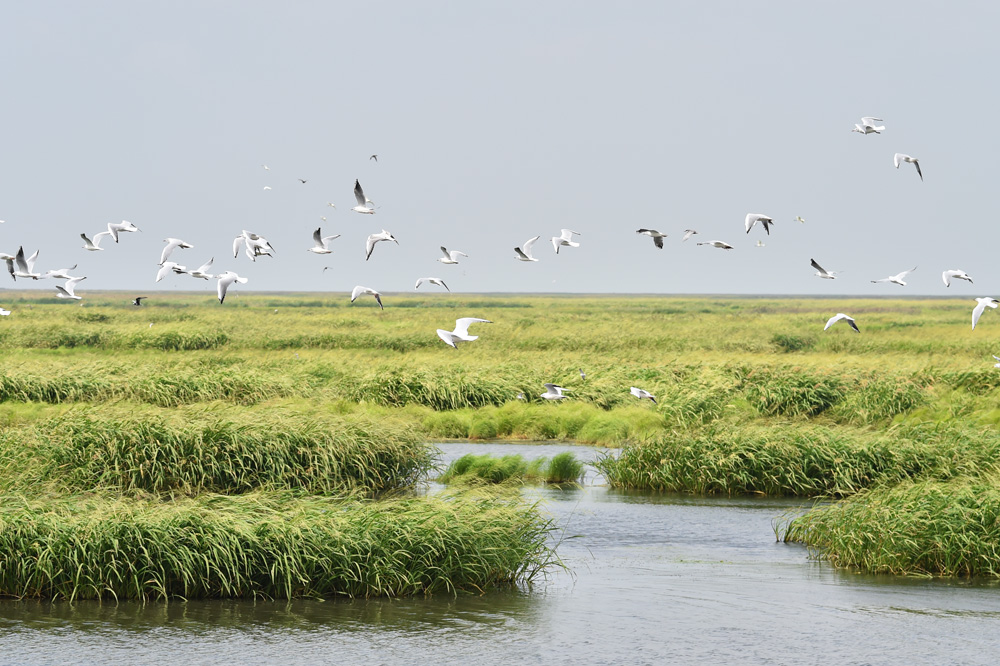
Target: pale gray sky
[{"x": 497, "y": 123}]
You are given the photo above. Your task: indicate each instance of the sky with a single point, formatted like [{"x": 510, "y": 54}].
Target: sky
[{"x": 497, "y": 122}]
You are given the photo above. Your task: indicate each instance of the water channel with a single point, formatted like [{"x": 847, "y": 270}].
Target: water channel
[{"x": 654, "y": 579}]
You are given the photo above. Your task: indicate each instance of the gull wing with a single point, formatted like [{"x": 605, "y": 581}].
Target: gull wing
[
  {"x": 528, "y": 244},
  {"x": 462, "y": 325},
  {"x": 812, "y": 262},
  {"x": 370, "y": 245},
  {"x": 317, "y": 237},
  {"x": 359, "y": 194},
  {"x": 919, "y": 172},
  {"x": 522, "y": 254}
]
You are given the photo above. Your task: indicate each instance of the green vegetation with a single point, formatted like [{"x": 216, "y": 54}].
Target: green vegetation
[{"x": 563, "y": 468}]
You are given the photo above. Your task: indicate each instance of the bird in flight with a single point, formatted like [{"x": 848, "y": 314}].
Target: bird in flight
[
  {"x": 322, "y": 243},
  {"x": 524, "y": 252},
  {"x": 363, "y": 201},
  {"x": 958, "y": 275},
  {"x": 841, "y": 316},
  {"x": 553, "y": 392},
  {"x": 451, "y": 257},
  {"x": 461, "y": 332},
  {"x": 897, "y": 278},
  {"x": 375, "y": 238},
  {"x": 565, "y": 239},
  {"x": 899, "y": 158},
  {"x": 226, "y": 279},
  {"x": 654, "y": 234},
  {"x": 822, "y": 272},
  {"x": 688, "y": 233},
  {"x": 433, "y": 280},
  {"x": 359, "y": 291},
  {"x": 982, "y": 304},
  {"x": 754, "y": 218},
  {"x": 719, "y": 244},
  {"x": 641, "y": 394},
  {"x": 137, "y": 301},
  {"x": 374, "y": 157},
  {"x": 867, "y": 126}
]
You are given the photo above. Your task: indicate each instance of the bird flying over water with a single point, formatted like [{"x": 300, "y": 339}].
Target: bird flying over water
[
  {"x": 841, "y": 316},
  {"x": 899, "y": 158}
]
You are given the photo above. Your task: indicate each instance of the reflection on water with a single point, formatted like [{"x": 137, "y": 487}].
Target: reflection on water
[{"x": 655, "y": 579}]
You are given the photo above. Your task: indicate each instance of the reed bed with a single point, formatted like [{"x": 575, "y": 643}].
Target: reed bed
[
  {"x": 562, "y": 468},
  {"x": 81, "y": 452},
  {"x": 799, "y": 459},
  {"x": 926, "y": 528},
  {"x": 271, "y": 545}
]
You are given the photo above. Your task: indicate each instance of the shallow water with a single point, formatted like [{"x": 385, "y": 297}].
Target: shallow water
[{"x": 655, "y": 579}]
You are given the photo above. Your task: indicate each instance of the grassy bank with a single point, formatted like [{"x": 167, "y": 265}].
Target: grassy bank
[
  {"x": 273, "y": 545},
  {"x": 563, "y": 468}
]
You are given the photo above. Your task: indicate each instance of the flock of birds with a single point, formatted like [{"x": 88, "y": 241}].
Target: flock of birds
[{"x": 255, "y": 246}]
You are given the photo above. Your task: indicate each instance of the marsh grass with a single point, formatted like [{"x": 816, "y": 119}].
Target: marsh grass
[
  {"x": 271, "y": 545},
  {"x": 924, "y": 527},
  {"x": 562, "y": 469}
]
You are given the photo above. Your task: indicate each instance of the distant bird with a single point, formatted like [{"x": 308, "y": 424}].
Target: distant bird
[
  {"x": 359, "y": 291},
  {"x": 898, "y": 278},
  {"x": 25, "y": 267},
  {"x": 322, "y": 243},
  {"x": 202, "y": 271},
  {"x": 375, "y": 238},
  {"x": 583, "y": 375},
  {"x": 451, "y": 257},
  {"x": 800, "y": 219},
  {"x": 995, "y": 365},
  {"x": 719, "y": 244},
  {"x": 331, "y": 204},
  {"x": 760, "y": 243},
  {"x": 867, "y": 126},
  {"x": 565, "y": 239},
  {"x": 4, "y": 313},
  {"x": 94, "y": 245},
  {"x": 374, "y": 157},
  {"x": 9, "y": 259},
  {"x": 266, "y": 168},
  {"x": 641, "y": 394},
  {"x": 67, "y": 289},
  {"x": 754, "y": 218},
  {"x": 654, "y": 234},
  {"x": 266, "y": 188},
  {"x": 169, "y": 266},
  {"x": 524, "y": 252},
  {"x": 363, "y": 201},
  {"x": 822, "y": 272},
  {"x": 225, "y": 280},
  {"x": 59, "y": 273},
  {"x": 302, "y": 180},
  {"x": 983, "y": 303},
  {"x": 253, "y": 244},
  {"x": 837, "y": 317},
  {"x": 958, "y": 275},
  {"x": 899, "y": 158},
  {"x": 433, "y": 280},
  {"x": 172, "y": 244},
  {"x": 124, "y": 226},
  {"x": 553, "y": 392},
  {"x": 688, "y": 233},
  {"x": 137, "y": 301},
  {"x": 461, "y": 332}
]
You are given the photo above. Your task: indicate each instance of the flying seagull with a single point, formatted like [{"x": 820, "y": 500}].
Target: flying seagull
[
  {"x": 59, "y": 273},
  {"x": 202, "y": 271},
  {"x": 461, "y": 332},
  {"x": 995, "y": 365},
  {"x": 433, "y": 280},
  {"x": 66, "y": 290},
  {"x": 754, "y": 218},
  {"x": 172, "y": 244},
  {"x": 719, "y": 244},
  {"x": 837, "y": 317},
  {"x": 639, "y": 393},
  {"x": 983, "y": 303},
  {"x": 170, "y": 266},
  {"x": 9, "y": 258},
  {"x": 359, "y": 290},
  {"x": 800, "y": 219},
  {"x": 688, "y": 233},
  {"x": 654, "y": 234},
  {"x": 363, "y": 201},
  {"x": 565, "y": 239},
  {"x": 322, "y": 243},
  {"x": 26, "y": 267},
  {"x": 374, "y": 157},
  {"x": 553, "y": 392},
  {"x": 375, "y": 238},
  {"x": 958, "y": 275},
  {"x": 94, "y": 245},
  {"x": 4, "y": 313},
  {"x": 822, "y": 272},
  {"x": 253, "y": 244},
  {"x": 302, "y": 180},
  {"x": 899, "y": 158},
  {"x": 124, "y": 226},
  {"x": 898, "y": 278},
  {"x": 524, "y": 252},
  {"x": 451, "y": 257},
  {"x": 867, "y": 126},
  {"x": 226, "y": 279}
]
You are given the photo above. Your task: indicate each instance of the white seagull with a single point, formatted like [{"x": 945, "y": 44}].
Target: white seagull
[
  {"x": 565, "y": 239},
  {"x": 899, "y": 158},
  {"x": 958, "y": 275},
  {"x": 524, "y": 252},
  {"x": 170, "y": 266},
  {"x": 754, "y": 218},
  {"x": 867, "y": 126},
  {"x": 719, "y": 244},
  {"x": 639, "y": 393},
  {"x": 983, "y": 303},
  {"x": 822, "y": 272},
  {"x": 94, "y": 245},
  {"x": 359, "y": 290},
  {"x": 172, "y": 244},
  {"x": 67, "y": 289},
  {"x": 451, "y": 257},
  {"x": 226, "y": 279},
  {"x": 461, "y": 332},
  {"x": 124, "y": 226},
  {"x": 688, "y": 233},
  {"x": 898, "y": 278},
  {"x": 59, "y": 273},
  {"x": 253, "y": 245},
  {"x": 553, "y": 392},
  {"x": 4, "y": 313},
  {"x": 322, "y": 245},
  {"x": 654, "y": 234},
  {"x": 26, "y": 267},
  {"x": 837, "y": 317},
  {"x": 363, "y": 201},
  {"x": 433, "y": 280},
  {"x": 9, "y": 258},
  {"x": 800, "y": 219},
  {"x": 202, "y": 271},
  {"x": 375, "y": 238},
  {"x": 995, "y": 365}
]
